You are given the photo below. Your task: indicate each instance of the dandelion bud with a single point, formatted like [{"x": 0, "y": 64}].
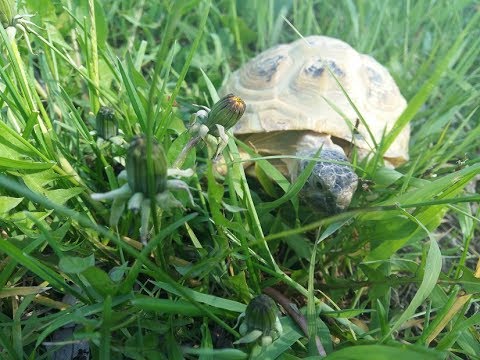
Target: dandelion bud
[
  {"x": 7, "y": 12},
  {"x": 106, "y": 123},
  {"x": 136, "y": 166},
  {"x": 262, "y": 314},
  {"x": 226, "y": 112}
]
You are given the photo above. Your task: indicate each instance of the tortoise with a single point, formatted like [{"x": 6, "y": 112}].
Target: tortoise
[{"x": 295, "y": 106}]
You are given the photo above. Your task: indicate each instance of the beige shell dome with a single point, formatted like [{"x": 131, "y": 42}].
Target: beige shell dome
[{"x": 288, "y": 87}]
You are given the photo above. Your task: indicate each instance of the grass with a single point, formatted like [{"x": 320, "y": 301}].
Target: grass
[{"x": 393, "y": 276}]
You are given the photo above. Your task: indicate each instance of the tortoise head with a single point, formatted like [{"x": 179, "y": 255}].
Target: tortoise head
[{"x": 332, "y": 182}]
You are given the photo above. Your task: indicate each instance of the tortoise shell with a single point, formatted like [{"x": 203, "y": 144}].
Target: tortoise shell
[{"x": 290, "y": 88}]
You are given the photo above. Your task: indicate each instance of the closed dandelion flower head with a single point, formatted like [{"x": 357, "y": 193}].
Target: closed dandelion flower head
[
  {"x": 106, "y": 123},
  {"x": 225, "y": 112},
  {"x": 260, "y": 321},
  {"x": 12, "y": 21},
  {"x": 136, "y": 165},
  {"x": 261, "y": 314},
  {"x": 134, "y": 191},
  {"x": 7, "y": 12}
]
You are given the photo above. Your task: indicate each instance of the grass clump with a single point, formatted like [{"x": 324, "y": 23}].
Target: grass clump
[{"x": 394, "y": 276}]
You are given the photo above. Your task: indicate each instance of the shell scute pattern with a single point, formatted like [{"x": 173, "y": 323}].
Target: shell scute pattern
[
  {"x": 382, "y": 92},
  {"x": 265, "y": 71},
  {"x": 268, "y": 67},
  {"x": 317, "y": 68},
  {"x": 288, "y": 88}
]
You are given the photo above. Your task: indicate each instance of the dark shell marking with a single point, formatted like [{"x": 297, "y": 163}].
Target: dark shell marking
[
  {"x": 374, "y": 76},
  {"x": 376, "y": 90},
  {"x": 267, "y": 67},
  {"x": 318, "y": 67}
]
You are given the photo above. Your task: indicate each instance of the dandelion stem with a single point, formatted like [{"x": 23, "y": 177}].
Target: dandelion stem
[{"x": 183, "y": 155}]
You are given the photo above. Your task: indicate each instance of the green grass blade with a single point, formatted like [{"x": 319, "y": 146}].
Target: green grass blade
[
  {"x": 425, "y": 91},
  {"x": 381, "y": 352},
  {"x": 199, "y": 33},
  {"x": 133, "y": 96},
  {"x": 105, "y": 350},
  {"x": 433, "y": 266},
  {"x": 213, "y": 301}
]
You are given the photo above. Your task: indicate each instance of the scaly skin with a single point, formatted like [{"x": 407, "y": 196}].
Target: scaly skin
[{"x": 332, "y": 182}]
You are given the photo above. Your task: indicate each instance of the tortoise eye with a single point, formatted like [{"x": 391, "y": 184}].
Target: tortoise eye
[{"x": 320, "y": 186}]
